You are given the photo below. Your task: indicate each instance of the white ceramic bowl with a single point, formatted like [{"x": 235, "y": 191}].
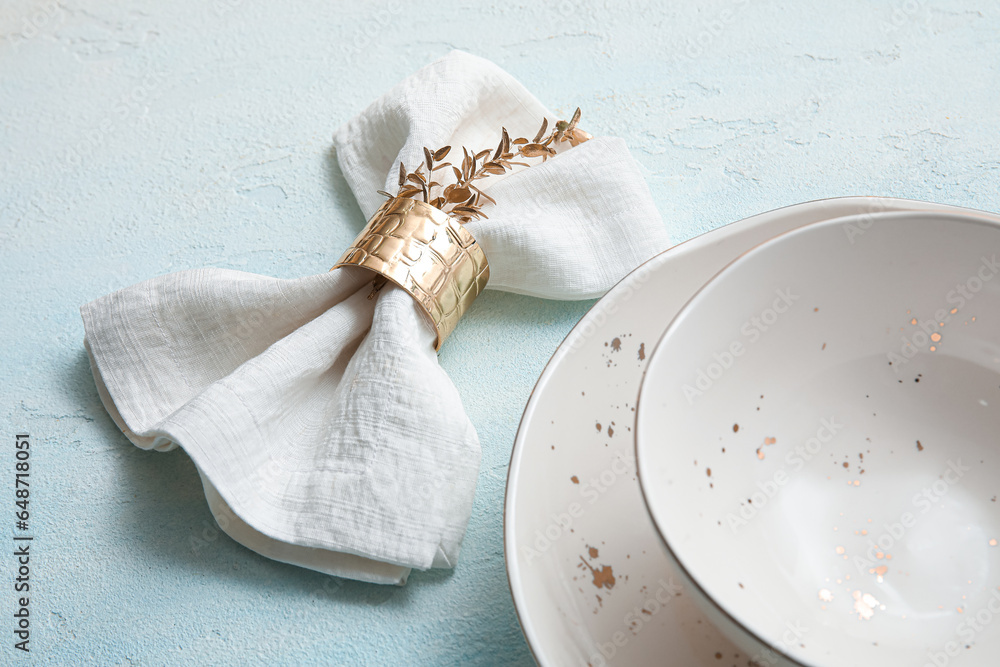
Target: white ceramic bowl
[{"x": 817, "y": 436}]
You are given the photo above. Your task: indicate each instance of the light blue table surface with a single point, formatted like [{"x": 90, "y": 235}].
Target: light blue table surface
[{"x": 146, "y": 137}]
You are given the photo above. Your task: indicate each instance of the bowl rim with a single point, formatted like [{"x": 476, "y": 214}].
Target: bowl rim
[{"x": 970, "y": 217}]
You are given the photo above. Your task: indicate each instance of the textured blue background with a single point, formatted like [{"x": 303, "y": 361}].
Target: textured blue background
[{"x": 142, "y": 138}]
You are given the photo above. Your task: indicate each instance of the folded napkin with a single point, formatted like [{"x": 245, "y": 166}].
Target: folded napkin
[{"x": 325, "y": 431}]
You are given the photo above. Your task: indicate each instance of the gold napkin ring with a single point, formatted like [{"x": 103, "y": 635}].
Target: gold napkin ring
[{"x": 427, "y": 253}]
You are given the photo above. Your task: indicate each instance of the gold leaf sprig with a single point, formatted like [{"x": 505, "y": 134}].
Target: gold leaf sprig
[{"x": 462, "y": 198}]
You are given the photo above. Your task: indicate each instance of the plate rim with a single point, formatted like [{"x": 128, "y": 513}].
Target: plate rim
[
  {"x": 672, "y": 326},
  {"x": 517, "y": 450}
]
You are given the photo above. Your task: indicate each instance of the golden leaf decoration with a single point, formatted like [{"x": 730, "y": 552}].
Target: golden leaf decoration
[{"x": 463, "y": 199}]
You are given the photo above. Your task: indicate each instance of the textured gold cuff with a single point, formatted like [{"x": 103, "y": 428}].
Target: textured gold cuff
[{"x": 427, "y": 253}]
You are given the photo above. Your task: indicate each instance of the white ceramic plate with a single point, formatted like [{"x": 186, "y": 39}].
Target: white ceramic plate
[
  {"x": 816, "y": 439},
  {"x": 564, "y": 540}
]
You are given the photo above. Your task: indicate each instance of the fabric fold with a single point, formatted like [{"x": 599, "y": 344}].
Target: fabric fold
[{"x": 325, "y": 432}]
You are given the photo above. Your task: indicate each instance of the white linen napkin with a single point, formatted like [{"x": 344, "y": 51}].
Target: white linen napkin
[{"x": 325, "y": 431}]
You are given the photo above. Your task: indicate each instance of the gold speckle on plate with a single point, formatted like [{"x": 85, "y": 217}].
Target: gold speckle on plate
[
  {"x": 603, "y": 578},
  {"x": 865, "y": 604}
]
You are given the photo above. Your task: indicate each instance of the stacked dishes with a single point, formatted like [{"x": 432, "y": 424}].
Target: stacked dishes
[{"x": 815, "y": 436}]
